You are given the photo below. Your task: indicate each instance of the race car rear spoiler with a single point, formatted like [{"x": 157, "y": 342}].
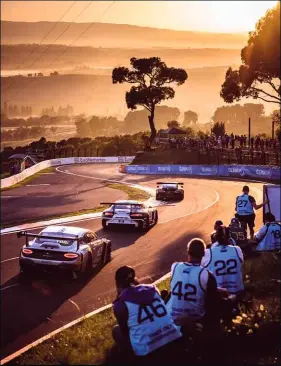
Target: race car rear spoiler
[
  {"x": 31, "y": 235},
  {"x": 170, "y": 183},
  {"x": 121, "y": 204}
]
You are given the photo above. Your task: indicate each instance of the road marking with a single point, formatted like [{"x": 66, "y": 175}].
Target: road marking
[
  {"x": 74, "y": 303},
  {"x": 10, "y": 196},
  {"x": 6, "y": 288},
  {"x": 37, "y": 185},
  {"x": 10, "y": 259}
]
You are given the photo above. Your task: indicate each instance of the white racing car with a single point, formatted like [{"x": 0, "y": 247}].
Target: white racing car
[
  {"x": 64, "y": 247},
  {"x": 129, "y": 213}
]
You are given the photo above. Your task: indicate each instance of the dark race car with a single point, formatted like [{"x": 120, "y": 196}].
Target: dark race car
[
  {"x": 169, "y": 191},
  {"x": 67, "y": 248}
]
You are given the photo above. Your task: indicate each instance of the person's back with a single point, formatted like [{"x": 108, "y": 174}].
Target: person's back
[
  {"x": 269, "y": 236},
  {"x": 238, "y": 233},
  {"x": 225, "y": 262},
  {"x": 188, "y": 287},
  {"x": 141, "y": 310}
]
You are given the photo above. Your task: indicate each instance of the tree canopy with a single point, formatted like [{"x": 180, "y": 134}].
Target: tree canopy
[
  {"x": 260, "y": 64},
  {"x": 190, "y": 117},
  {"x": 151, "y": 77}
]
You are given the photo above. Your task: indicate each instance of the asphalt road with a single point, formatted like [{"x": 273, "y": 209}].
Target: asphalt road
[{"x": 29, "y": 311}]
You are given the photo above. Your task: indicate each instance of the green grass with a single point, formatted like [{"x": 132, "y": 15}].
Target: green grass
[
  {"x": 29, "y": 179},
  {"x": 133, "y": 194},
  {"x": 245, "y": 341}
]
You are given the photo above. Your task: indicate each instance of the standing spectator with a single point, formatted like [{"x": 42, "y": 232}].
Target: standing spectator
[
  {"x": 252, "y": 143},
  {"x": 262, "y": 144},
  {"x": 143, "y": 322},
  {"x": 269, "y": 235}
]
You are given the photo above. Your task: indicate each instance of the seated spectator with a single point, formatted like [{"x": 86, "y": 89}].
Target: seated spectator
[
  {"x": 225, "y": 262},
  {"x": 268, "y": 237},
  {"x": 218, "y": 223},
  {"x": 143, "y": 322},
  {"x": 194, "y": 295},
  {"x": 238, "y": 234}
]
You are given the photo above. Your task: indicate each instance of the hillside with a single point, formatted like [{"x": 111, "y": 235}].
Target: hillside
[
  {"x": 116, "y": 35},
  {"x": 109, "y": 57},
  {"x": 95, "y": 94}
]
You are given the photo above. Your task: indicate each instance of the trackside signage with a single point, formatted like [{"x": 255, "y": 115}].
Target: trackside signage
[
  {"x": 10, "y": 181},
  {"x": 236, "y": 171}
]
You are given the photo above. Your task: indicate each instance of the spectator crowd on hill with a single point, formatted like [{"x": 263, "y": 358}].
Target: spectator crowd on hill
[{"x": 221, "y": 142}]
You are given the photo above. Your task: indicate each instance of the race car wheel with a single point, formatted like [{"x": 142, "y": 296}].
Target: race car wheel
[
  {"x": 146, "y": 225},
  {"x": 103, "y": 222},
  {"x": 156, "y": 218},
  {"x": 88, "y": 267},
  {"x": 182, "y": 197},
  {"x": 107, "y": 253}
]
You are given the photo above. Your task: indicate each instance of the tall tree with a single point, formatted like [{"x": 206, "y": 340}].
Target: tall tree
[
  {"x": 261, "y": 64},
  {"x": 173, "y": 123},
  {"x": 152, "y": 77},
  {"x": 218, "y": 129},
  {"x": 190, "y": 117}
]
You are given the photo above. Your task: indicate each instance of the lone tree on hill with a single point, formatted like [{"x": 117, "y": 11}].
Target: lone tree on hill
[
  {"x": 173, "y": 123},
  {"x": 261, "y": 64},
  {"x": 151, "y": 76},
  {"x": 218, "y": 129}
]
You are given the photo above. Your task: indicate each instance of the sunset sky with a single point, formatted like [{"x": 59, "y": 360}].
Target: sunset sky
[{"x": 212, "y": 16}]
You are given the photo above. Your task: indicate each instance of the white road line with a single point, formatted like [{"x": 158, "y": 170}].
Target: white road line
[
  {"x": 10, "y": 259},
  {"x": 37, "y": 185},
  {"x": 10, "y": 196},
  {"x": 74, "y": 303},
  {"x": 6, "y": 288}
]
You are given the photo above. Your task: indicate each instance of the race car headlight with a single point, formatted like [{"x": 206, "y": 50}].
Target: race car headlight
[
  {"x": 27, "y": 251},
  {"x": 71, "y": 255},
  {"x": 108, "y": 214}
]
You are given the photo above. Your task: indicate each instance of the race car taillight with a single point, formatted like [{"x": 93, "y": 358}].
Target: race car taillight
[
  {"x": 136, "y": 215},
  {"x": 108, "y": 214},
  {"x": 70, "y": 255},
  {"x": 27, "y": 251}
]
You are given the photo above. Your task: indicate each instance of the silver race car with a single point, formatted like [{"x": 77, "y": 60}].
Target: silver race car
[
  {"x": 64, "y": 247},
  {"x": 169, "y": 191},
  {"x": 129, "y": 213}
]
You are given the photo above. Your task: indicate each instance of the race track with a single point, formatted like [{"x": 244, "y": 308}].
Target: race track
[{"x": 29, "y": 311}]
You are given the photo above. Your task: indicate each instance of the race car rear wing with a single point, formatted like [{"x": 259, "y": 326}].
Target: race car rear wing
[
  {"x": 121, "y": 204},
  {"x": 178, "y": 183},
  {"x": 31, "y": 235}
]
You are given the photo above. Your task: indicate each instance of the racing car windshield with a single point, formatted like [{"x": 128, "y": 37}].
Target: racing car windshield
[{"x": 170, "y": 186}]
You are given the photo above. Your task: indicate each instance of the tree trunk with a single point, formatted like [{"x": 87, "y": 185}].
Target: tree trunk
[{"x": 152, "y": 129}]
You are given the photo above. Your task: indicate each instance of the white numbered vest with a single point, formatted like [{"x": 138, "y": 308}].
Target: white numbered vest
[
  {"x": 271, "y": 240},
  {"x": 243, "y": 205},
  {"x": 150, "y": 326},
  {"x": 188, "y": 286},
  {"x": 226, "y": 266}
]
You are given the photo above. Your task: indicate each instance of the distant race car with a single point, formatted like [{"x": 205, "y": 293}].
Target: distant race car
[
  {"x": 129, "y": 213},
  {"x": 169, "y": 191},
  {"x": 64, "y": 247}
]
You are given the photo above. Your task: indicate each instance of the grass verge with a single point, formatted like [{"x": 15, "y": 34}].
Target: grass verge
[
  {"x": 29, "y": 179},
  {"x": 252, "y": 338},
  {"x": 133, "y": 194}
]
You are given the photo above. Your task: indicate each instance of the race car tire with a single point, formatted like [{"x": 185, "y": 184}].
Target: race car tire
[
  {"x": 146, "y": 225},
  {"x": 156, "y": 218},
  {"x": 103, "y": 222},
  {"x": 157, "y": 198},
  {"x": 182, "y": 198},
  {"x": 89, "y": 266},
  {"x": 107, "y": 253}
]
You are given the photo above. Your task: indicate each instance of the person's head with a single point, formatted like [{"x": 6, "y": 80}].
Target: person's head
[
  {"x": 269, "y": 217},
  {"x": 223, "y": 235},
  {"x": 235, "y": 222},
  {"x": 125, "y": 277},
  {"x": 196, "y": 249},
  {"x": 246, "y": 190},
  {"x": 218, "y": 223}
]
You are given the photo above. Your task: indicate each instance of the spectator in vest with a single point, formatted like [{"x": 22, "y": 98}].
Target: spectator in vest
[
  {"x": 268, "y": 237},
  {"x": 225, "y": 262},
  {"x": 238, "y": 234},
  {"x": 218, "y": 223},
  {"x": 194, "y": 295},
  {"x": 245, "y": 205},
  {"x": 143, "y": 322}
]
